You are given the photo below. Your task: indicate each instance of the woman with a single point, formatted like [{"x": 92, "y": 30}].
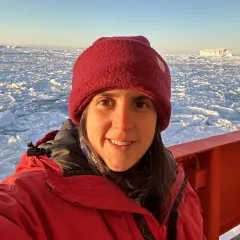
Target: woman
[{"x": 106, "y": 174}]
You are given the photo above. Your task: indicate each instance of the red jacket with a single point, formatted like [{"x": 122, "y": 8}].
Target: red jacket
[{"x": 37, "y": 202}]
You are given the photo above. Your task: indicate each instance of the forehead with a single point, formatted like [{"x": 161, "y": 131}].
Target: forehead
[{"x": 121, "y": 93}]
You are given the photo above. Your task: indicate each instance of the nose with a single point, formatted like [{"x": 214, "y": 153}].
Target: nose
[{"x": 123, "y": 117}]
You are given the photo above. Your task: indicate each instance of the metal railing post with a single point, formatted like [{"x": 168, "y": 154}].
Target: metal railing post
[{"x": 212, "y": 207}]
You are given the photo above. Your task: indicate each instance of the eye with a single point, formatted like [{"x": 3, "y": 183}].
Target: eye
[
  {"x": 141, "y": 105},
  {"x": 105, "y": 102}
]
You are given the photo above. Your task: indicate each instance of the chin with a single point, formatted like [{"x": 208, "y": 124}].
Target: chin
[
  {"x": 119, "y": 169},
  {"x": 120, "y": 164}
]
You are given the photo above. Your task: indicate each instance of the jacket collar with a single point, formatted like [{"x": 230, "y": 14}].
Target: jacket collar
[{"x": 97, "y": 192}]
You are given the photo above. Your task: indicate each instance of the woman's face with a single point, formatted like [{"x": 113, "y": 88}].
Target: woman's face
[{"x": 120, "y": 126}]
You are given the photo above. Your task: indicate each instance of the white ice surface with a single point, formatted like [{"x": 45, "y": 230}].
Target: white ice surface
[{"x": 35, "y": 83}]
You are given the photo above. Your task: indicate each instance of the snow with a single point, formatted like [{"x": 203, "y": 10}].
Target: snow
[
  {"x": 221, "y": 52},
  {"x": 35, "y": 83}
]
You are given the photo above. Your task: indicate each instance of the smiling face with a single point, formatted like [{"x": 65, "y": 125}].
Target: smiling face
[{"x": 120, "y": 127}]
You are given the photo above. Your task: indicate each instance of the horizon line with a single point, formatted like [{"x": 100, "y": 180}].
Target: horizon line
[{"x": 83, "y": 48}]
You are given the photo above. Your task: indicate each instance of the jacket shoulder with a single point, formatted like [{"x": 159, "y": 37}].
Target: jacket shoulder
[
  {"x": 190, "y": 221},
  {"x": 28, "y": 163},
  {"x": 32, "y": 162},
  {"x": 184, "y": 220}
]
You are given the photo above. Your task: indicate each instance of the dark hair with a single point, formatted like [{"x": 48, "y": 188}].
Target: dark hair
[{"x": 161, "y": 170}]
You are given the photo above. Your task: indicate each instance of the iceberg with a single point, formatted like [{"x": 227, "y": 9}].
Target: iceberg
[
  {"x": 221, "y": 52},
  {"x": 12, "y": 46}
]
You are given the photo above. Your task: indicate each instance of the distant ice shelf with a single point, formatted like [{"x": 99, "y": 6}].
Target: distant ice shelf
[{"x": 221, "y": 52}]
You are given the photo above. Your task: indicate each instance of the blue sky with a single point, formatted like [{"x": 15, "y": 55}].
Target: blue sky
[{"x": 172, "y": 26}]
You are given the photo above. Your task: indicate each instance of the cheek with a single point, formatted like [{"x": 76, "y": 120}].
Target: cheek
[
  {"x": 92, "y": 126},
  {"x": 148, "y": 127},
  {"x": 148, "y": 135},
  {"x": 96, "y": 128}
]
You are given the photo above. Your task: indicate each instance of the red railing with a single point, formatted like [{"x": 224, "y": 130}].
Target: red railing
[{"x": 213, "y": 169}]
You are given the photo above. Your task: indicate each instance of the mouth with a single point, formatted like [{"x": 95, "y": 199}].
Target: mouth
[{"x": 122, "y": 145}]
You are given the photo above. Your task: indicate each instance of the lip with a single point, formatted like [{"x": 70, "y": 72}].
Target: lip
[
  {"x": 122, "y": 147},
  {"x": 123, "y": 140}
]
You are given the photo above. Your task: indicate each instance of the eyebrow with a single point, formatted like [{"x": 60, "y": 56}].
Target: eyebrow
[{"x": 137, "y": 98}]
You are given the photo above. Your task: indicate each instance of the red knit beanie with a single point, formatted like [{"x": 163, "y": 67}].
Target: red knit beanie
[{"x": 117, "y": 63}]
